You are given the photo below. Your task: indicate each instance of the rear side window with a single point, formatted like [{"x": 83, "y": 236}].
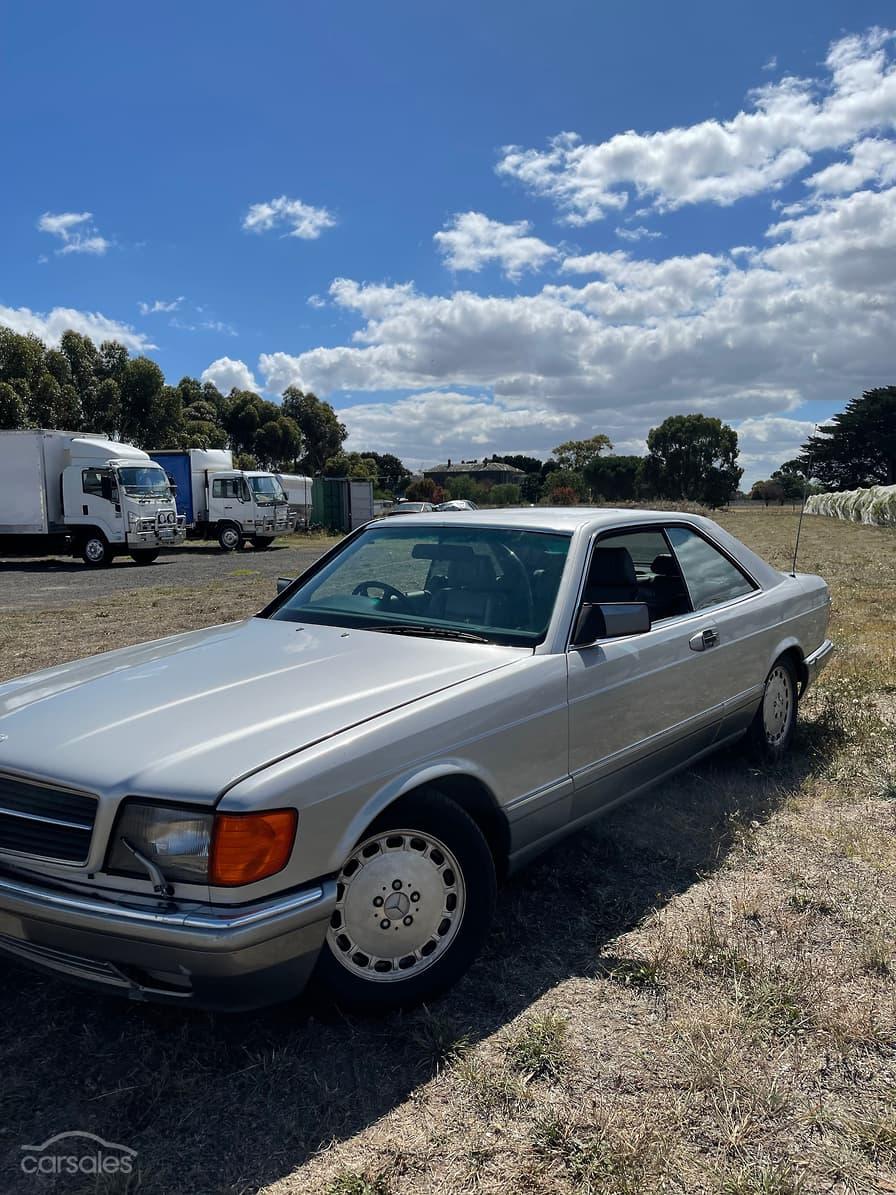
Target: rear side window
[{"x": 710, "y": 576}]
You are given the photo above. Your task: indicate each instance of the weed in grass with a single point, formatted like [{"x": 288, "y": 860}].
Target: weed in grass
[
  {"x": 491, "y": 1089},
  {"x": 803, "y": 899},
  {"x": 878, "y": 954},
  {"x": 614, "y": 1155},
  {"x": 539, "y": 1049},
  {"x": 772, "y": 999},
  {"x": 875, "y": 1137},
  {"x": 349, "y": 1182},
  {"x": 646, "y": 973},
  {"x": 762, "y": 1177},
  {"x": 715, "y": 950},
  {"x": 438, "y": 1041},
  {"x": 704, "y": 1053}
]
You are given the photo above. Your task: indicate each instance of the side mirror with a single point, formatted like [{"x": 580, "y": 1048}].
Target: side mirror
[
  {"x": 283, "y": 583},
  {"x": 106, "y": 487},
  {"x": 609, "y": 620}
]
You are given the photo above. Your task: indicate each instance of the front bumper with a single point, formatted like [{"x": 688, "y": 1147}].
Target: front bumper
[
  {"x": 217, "y": 957},
  {"x": 816, "y": 661}
]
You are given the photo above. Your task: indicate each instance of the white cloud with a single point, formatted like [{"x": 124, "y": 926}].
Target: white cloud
[
  {"x": 160, "y": 305},
  {"x": 638, "y": 233},
  {"x": 49, "y": 326},
  {"x": 766, "y": 441},
  {"x": 471, "y": 240},
  {"x": 300, "y": 219},
  {"x": 771, "y": 64},
  {"x": 759, "y": 149},
  {"x": 749, "y": 336},
  {"x": 872, "y": 160},
  {"x": 435, "y": 425},
  {"x": 226, "y": 374},
  {"x": 75, "y": 230}
]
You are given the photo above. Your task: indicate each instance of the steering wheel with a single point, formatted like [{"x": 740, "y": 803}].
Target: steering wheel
[
  {"x": 523, "y": 577},
  {"x": 389, "y": 591}
]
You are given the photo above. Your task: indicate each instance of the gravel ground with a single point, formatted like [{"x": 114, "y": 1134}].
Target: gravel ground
[{"x": 54, "y": 581}]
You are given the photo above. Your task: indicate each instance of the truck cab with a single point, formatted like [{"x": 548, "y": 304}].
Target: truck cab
[
  {"x": 247, "y": 504},
  {"x": 115, "y": 502},
  {"x": 220, "y": 502}
]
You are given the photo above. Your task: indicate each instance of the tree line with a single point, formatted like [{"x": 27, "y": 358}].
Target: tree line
[
  {"x": 102, "y": 389},
  {"x": 857, "y": 448},
  {"x": 80, "y": 386},
  {"x": 689, "y": 457}
]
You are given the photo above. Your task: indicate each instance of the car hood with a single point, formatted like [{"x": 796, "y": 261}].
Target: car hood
[{"x": 185, "y": 717}]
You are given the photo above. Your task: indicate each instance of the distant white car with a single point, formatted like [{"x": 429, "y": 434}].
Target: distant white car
[
  {"x": 457, "y": 504},
  {"x": 412, "y": 508}
]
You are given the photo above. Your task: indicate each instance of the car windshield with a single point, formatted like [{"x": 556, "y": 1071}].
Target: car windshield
[
  {"x": 145, "y": 481},
  {"x": 267, "y": 490},
  {"x": 488, "y": 584}
]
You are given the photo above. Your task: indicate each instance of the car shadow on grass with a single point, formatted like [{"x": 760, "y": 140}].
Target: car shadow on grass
[{"x": 230, "y": 1103}]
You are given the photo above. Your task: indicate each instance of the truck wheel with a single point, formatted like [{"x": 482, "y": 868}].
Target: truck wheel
[
  {"x": 95, "y": 551},
  {"x": 260, "y": 542},
  {"x": 414, "y": 902},
  {"x": 230, "y": 537},
  {"x": 145, "y": 556}
]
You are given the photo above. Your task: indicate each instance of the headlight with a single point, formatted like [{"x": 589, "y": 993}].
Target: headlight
[
  {"x": 176, "y": 839},
  {"x": 194, "y": 846}
]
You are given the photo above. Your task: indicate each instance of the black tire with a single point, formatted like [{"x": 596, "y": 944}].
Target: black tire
[
  {"x": 261, "y": 542},
  {"x": 230, "y": 537},
  {"x": 771, "y": 732},
  {"x": 432, "y": 816},
  {"x": 145, "y": 556},
  {"x": 95, "y": 550}
]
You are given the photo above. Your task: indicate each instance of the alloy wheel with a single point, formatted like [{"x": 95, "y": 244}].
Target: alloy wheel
[{"x": 400, "y": 903}]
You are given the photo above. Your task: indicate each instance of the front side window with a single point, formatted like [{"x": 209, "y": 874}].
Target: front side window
[
  {"x": 637, "y": 566},
  {"x": 493, "y": 584},
  {"x": 711, "y": 577},
  {"x": 227, "y": 487},
  {"x": 93, "y": 482}
]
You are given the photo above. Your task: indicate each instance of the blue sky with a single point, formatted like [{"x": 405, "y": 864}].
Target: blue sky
[{"x": 324, "y": 194}]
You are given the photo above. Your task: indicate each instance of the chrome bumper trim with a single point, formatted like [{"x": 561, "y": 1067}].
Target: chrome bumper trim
[
  {"x": 204, "y": 925},
  {"x": 817, "y": 660}
]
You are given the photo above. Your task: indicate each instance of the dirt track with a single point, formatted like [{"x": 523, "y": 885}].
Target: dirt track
[{"x": 53, "y": 581}]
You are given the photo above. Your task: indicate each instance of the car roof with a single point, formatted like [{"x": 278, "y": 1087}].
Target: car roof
[{"x": 556, "y": 518}]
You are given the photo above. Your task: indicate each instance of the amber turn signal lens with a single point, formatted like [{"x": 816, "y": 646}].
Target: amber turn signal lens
[{"x": 250, "y": 846}]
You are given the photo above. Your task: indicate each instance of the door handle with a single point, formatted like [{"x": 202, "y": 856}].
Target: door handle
[{"x": 704, "y": 639}]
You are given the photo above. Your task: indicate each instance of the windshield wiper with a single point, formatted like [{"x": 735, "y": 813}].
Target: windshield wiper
[{"x": 425, "y": 629}]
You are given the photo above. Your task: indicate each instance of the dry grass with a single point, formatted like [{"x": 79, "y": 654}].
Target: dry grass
[{"x": 699, "y": 995}]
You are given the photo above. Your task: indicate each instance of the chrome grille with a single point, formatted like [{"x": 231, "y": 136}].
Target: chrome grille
[{"x": 49, "y": 823}]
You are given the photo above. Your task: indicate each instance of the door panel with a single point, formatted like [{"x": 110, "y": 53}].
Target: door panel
[{"x": 636, "y": 710}]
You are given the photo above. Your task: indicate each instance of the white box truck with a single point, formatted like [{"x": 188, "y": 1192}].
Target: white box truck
[
  {"x": 71, "y": 491},
  {"x": 219, "y": 502}
]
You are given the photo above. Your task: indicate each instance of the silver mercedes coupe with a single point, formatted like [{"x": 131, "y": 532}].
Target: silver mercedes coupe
[{"x": 331, "y": 790}]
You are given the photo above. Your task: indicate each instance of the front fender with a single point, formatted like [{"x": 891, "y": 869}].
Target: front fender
[{"x": 399, "y": 786}]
